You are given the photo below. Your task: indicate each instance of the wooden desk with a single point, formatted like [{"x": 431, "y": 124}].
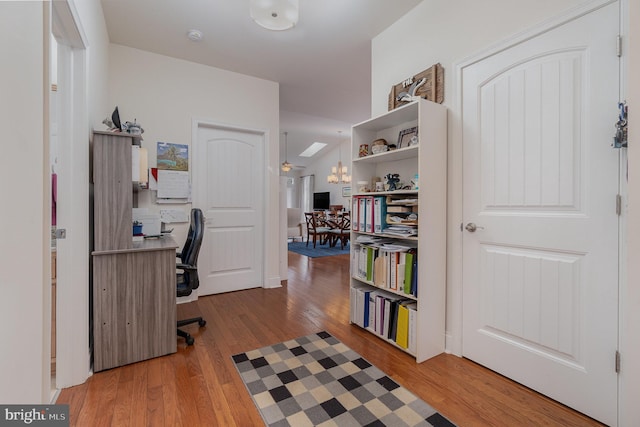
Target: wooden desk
[{"x": 134, "y": 303}]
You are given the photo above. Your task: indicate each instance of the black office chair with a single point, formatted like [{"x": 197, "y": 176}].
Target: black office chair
[{"x": 188, "y": 280}]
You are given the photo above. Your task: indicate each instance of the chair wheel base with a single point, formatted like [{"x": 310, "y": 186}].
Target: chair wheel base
[{"x": 187, "y": 337}]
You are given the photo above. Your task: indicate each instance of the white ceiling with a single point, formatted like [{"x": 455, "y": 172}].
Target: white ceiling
[{"x": 323, "y": 65}]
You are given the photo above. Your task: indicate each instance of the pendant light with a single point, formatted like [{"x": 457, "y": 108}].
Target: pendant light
[{"x": 286, "y": 166}]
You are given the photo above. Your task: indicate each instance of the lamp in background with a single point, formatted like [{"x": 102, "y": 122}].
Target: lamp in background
[
  {"x": 276, "y": 15},
  {"x": 286, "y": 166},
  {"x": 339, "y": 174}
]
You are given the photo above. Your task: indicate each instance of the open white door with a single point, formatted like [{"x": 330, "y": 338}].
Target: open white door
[
  {"x": 540, "y": 250},
  {"x": 72, "y": 314}
]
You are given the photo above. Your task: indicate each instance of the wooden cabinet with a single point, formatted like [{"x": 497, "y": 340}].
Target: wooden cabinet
[
  {"x": 112, "y": 191},
  {"x": 134, "y": 283},
  {"x": 428, "y": 160}
]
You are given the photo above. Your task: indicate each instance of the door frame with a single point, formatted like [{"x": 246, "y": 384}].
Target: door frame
[
  {"x": 455, "y": 199},
  {"x": 72, "y": 319},
  {"x": 196, "y": 200}
]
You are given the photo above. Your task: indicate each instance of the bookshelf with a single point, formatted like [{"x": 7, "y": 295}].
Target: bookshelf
[{"x": 427, "y": 159}]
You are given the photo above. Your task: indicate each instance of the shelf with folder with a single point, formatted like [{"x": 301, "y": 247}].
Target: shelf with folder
[
  {"x": 391, "y": 291},
  {"x": 389, "y": 317},
  {"x": 420, "y": 211},
  {"x": 386, "y": 235}
]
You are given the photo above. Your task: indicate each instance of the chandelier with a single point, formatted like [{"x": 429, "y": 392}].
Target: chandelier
[
  {"x": 339, "y": 173},
  {"x": 276, "y": 15}
]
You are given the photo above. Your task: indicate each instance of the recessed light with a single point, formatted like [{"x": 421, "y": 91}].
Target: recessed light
[{"x": 194, "y": 35}]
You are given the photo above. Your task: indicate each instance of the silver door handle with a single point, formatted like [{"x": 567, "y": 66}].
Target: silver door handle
[{"x": 471, "y": 227}]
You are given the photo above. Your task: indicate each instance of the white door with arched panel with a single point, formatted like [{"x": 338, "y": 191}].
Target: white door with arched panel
[
  {"x": 540, "y": 236},
  {"x": 229, "y": 187}
]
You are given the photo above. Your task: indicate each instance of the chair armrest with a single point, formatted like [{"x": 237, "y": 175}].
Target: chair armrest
[{"x": 186, "y": 267}]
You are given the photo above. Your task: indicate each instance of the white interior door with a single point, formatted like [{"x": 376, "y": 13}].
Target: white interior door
[
  {"x": 229, "y": 187},
  {"x": 72, "y": 168},
  {"x": 540, "y": 273}
]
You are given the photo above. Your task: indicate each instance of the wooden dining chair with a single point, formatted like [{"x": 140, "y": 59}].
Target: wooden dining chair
[
  {"x": 316, "y": 228},
  {"x": 342, "y": 232}
]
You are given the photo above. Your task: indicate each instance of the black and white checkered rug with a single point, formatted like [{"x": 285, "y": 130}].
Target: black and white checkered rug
[{"x": 318, "y": 381}]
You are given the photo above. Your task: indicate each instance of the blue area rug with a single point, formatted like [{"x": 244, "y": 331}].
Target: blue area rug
[{"x": 319, "y": 251}]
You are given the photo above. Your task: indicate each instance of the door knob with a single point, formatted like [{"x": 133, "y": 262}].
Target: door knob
[{"x": 471, "y": 227}]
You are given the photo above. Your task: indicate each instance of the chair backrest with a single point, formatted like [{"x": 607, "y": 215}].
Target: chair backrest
[
  {"x": 345, "y": 223},
  {"x": 191, "y": 249},
  {"x": 312, "y": 221}
]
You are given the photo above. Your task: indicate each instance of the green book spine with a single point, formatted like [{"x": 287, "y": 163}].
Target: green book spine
[
  {"x": 370, "y": 264},
  {"x": 408, "y": 267}
]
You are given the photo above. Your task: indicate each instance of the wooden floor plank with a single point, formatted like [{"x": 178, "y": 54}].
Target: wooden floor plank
[{"x": 199, "y": 385}]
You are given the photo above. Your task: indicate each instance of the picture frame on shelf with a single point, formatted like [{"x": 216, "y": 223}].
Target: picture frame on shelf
[
  {"x": 346, "y": 191},
  {"x": 406, "y": 137}
]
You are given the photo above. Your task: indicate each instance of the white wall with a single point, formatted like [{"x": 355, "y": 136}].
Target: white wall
[
  {"x": 446, "y": 32},
  {"x": 24, "y": 246},
  {"x": 93, "y": 24},
  {"x": 164, "y": 94}
]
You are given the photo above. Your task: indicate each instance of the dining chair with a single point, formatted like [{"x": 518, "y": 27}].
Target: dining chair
[
  {"x": 341, "y": 232},
  {"x": 317, "y": 228}
]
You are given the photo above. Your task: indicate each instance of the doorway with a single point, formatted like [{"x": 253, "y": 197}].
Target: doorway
[
  {"x": 69, "y": 123},
  {"x": 229, "y": 186}
]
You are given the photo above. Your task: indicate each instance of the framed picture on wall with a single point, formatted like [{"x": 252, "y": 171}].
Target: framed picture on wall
[{"x": 346, "y": 191}]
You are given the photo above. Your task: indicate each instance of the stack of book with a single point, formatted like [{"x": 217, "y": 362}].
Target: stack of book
[
  {"x": 386, "y": 266},
  {"x": 369, "y": 213},
  {"x": 389, "y": 316}
]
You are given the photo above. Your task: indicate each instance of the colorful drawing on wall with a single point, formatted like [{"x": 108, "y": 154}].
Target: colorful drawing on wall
[{"x": 173, "y": 156}]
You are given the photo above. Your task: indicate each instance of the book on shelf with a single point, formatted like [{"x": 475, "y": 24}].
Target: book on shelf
[
  {"x": 412, "y": 330},
  {"x": 379, "y": 311},
  {"x": 379, "y": 214},
  {"x": 402, "y": 332},
  {"x": 362, "y": 213},
  {"x": 386, "y": 266},
  {"x": 355, "y": 216},
  {"x": 402, "y": 230},
  {"x": 380, "y": 303},
  {"x": 370, "y": 212},
  {"x": 370, "y": 216},
  {"x": 353, "y": 305},
  {"x": 399, "y": 209},
  {"x": 360, "y": 306}
]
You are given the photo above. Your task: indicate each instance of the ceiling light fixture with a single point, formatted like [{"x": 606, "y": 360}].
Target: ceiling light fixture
[
  {"x": 194, "y": 35},
  {"x": 286, "y": 166},
  {"x": 339, "y": 174},
  {"x": 276, "y": 15}
]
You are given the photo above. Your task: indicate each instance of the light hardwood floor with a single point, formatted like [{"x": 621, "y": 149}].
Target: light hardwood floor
[{"x": 199, "y": 386}]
